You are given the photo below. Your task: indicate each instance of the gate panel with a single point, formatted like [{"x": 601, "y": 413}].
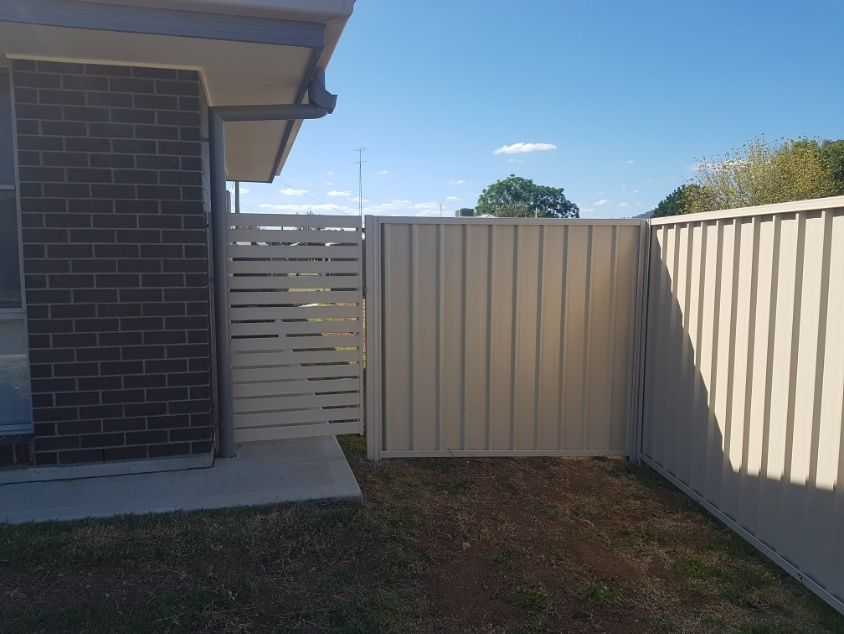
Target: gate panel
[
  {"x": 295, "y": 301},
  {"x": 501, "y": 336}
]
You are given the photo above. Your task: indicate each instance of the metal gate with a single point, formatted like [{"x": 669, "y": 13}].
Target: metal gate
[{"x": 295, "y": 301}]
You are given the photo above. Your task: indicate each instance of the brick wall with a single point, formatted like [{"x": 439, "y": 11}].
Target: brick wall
[{"x": 115, "y": 260}]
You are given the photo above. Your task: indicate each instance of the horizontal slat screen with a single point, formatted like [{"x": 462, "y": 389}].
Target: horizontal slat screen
[{"x": 295, "y": 300}]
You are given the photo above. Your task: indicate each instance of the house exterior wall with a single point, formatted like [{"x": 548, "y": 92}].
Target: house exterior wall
[{"x": 116, "y": 260}]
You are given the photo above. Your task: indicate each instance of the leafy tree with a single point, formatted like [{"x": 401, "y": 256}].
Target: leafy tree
[
  {"x": 760, "y": 173},
  {"x": 683, "y": 200},
  {"x": 520, "y": 197},
  {"x": 832, "y": 155}
]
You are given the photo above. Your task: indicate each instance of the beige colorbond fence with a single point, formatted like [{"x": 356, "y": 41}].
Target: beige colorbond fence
[
  {"x": 502, "y": 337},
  {"x": 744, "y": 376}
]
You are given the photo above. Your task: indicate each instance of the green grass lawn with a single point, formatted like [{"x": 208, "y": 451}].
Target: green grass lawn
[{"x": 455, "y": 545}]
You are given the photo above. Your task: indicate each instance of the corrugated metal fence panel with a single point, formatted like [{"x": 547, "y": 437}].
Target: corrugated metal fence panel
[
  {"x": 503, "y": 336},
  {"x": 295, "y": 302},
  {"x": 744, "y": 378}
]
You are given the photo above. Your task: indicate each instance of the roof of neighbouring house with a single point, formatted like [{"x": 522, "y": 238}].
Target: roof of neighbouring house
[{"x": 249, "y": 52}]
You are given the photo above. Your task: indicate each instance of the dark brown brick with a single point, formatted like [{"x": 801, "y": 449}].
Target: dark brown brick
[{"x": 111, "y": 185}]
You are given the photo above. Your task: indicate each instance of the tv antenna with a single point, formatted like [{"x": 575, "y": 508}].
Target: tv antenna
[{"x": 360, "y": 163}]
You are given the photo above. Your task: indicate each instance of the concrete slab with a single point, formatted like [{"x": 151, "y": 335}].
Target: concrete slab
[{"x": 268, "y": 473}]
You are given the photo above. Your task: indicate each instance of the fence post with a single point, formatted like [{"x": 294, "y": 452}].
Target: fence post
[
  {"x": 372, "y": 328},
  {"x": 641, "y": 328}
]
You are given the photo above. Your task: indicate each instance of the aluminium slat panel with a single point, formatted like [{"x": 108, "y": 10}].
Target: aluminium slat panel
[
  {"x": 280, "y": 402},
  {"x": 278, "y": 327},
  {"x": 296, "y": 431},
  {"x": 274, "y": 359},
  {"x": 254, "y": 313},
  {"x": 266, "y": 344},
  {"x": 294, "y": 236},
  {"x": 258, "y": 265},
  {"x": 293, "y": 252},
  {"x": 275, "y": 388},
  {"x": 335, "y": 282},
  {"x": 270, "y": 298},
  {"x": 293, "y": 372},
  {"x": 293, "y": 220},
  {"x": 295, "y": 312},
  {"x": 281, "y": 419}
]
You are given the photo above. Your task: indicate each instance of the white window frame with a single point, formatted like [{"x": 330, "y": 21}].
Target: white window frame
[
  {"x": 15, "y": 316},
  {"x": 17, "y": 313}
]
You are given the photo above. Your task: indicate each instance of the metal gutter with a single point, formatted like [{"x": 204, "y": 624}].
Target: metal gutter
[{"x": 313, "y": 63}]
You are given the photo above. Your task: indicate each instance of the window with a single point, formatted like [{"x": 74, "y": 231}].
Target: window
[
  {"x": 10, "y": 275},
  {"x": 15, "y": 395}
]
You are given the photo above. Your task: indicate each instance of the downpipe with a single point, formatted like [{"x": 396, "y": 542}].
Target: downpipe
[{"x": 320, "y": 103}]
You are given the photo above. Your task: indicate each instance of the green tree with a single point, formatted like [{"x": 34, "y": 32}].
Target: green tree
[
  {"x": 520, "y": 197},
  {"x": 685, "y": 199},
  {"x": 832, "y": 155},
  {"x": 761, "y": 173}
]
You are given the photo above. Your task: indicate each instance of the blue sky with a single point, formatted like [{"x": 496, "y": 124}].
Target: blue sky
[{"x": 631, "y": 95}]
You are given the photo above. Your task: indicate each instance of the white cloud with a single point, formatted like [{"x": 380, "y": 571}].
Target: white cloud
[
  {"x": 601, "y": 202},
  {"x": 459, "y": 181},
  {"x": 631, "y": 162},
  {"x": 396, "y": 204},
  {"x": 522, "y": 148},
  {"x": 623, "y": 205},
  {"x": 304, "y": 208},
  {"x": 244, "y": 191},
  {"x": 427, "y": 209},
  {"x": 383, "y": 172},
  {"x": 329, "y": 184},
  {"x": 329, "y": 173},
  {"x": 512, "y": 160},
  {"x": 453, "y": 199},
  {"x": 635, "y": 191},
  {"x": 292, "y": 191},
  {"x": 338, "y": 194}
]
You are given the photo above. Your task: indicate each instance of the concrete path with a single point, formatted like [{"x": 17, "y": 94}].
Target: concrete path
[{"x": 284, "y": 471}]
